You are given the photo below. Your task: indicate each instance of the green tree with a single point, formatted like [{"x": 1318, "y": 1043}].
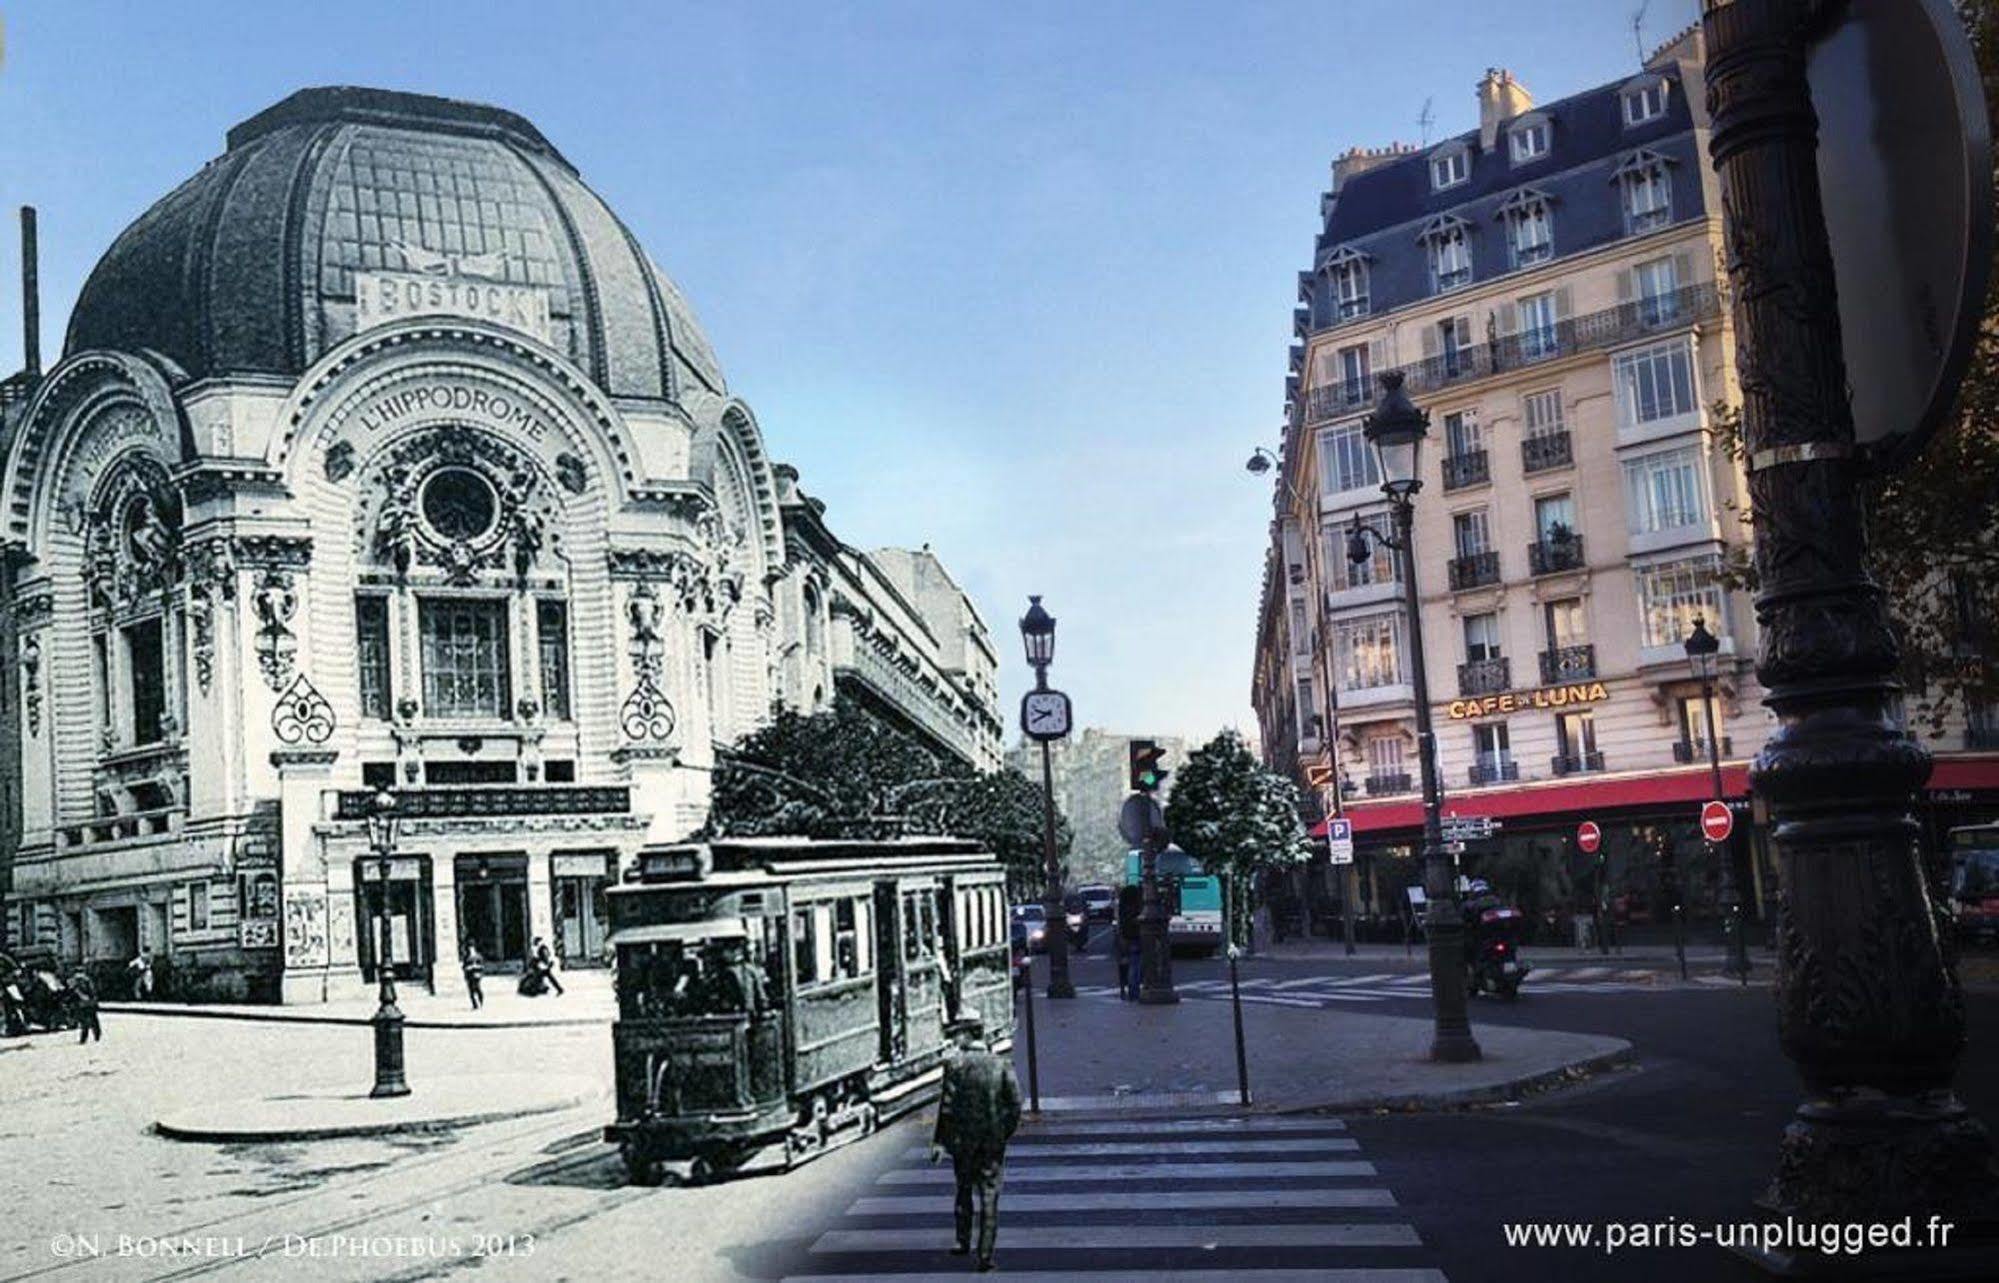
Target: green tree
[
  {"x": 1234, "y": 816},
  {"x": 844, "y": 773}
]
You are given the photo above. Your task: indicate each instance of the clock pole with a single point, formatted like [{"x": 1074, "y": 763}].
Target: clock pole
[{"x": 1037, "y": 630}]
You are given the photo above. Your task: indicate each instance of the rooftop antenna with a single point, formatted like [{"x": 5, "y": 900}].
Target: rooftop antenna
[
  {"x": 1638, "y": 27},
  {"x": 1425, "y": 120}
]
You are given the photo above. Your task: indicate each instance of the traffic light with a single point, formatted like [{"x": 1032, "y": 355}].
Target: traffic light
[{"x": 1146, "y": 772}]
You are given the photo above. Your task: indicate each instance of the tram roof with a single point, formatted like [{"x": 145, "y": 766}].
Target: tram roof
[{"x": 797, "y": 856}]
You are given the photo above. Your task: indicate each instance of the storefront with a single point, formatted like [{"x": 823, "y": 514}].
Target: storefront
[
  {"x": 493, "y": 907},
  {"x": 582, "y": 912},
  {"x": 412, "y": 942}
]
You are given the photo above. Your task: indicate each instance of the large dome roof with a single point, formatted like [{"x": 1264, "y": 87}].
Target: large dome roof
[{"x": 252, "y": 265}]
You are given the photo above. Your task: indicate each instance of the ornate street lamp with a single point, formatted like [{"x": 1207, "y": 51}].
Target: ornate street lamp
[
  {"x": 1396, "y": 430},
  {"x": 388, "y": 1019},
  {"x": 1037, "y": 634},
  {"x": 1703, "y": 656}
]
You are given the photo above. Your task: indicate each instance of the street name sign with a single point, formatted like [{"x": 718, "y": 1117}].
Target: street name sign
[
  {"x": 1469, "y": 828},
  {"x": 1717, "y": 822},
  {"x": 1589, "y": 837},
  {"x": 1339, "y": 840}
]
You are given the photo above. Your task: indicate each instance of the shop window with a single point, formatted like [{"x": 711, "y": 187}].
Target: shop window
[{"x": 465, "y": 657}]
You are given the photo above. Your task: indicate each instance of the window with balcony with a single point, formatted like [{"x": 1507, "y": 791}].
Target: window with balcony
[
  {"x": 552, "y": 635},
  {"x": 1557, "y": 545},
  {"x": 1475, "y": 563},
  {"x": 1348, "y": 272},
  {"x": 1481, "y": 636},
  {"x": 1663, "y": 491},
  {"x": 1349, "y": 462},
  {"x": 1492, "y": 754},
  {"x": 1450, "y": 255},
  {"x": 1540, "y": 335},
  {"x": 1648, "y": 194},
  {"x": 1575, "y": 741},
  {"x": 1485, "y": 670},
  {"x": 1381, "y": 567},
  {"x": 1672, "y": 593},
  {"x": 1368, "y": 651},
  {"x": 1530, "y": 233},
  {"x": 1696, "y": 730},
  {"x": 1447, "y": 347},
  {"x": 1308, "y": 718},
  {"x": 1465, "y": 460},
  {"x": 371, "y": 656},
  {"x": 1387, "y": 765},
  {"x": 1654, "y": 383},
  {"x": 1657, "y": 285},
  {"x": 1544, "y": 438},
  {"x": 1570, "y": 656},
  {"x": 465, "y": 657},
  {"x": 1355, "y": 385}
]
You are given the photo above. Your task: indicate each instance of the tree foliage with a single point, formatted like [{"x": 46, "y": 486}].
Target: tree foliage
[
  {"x": 1233, "y": 815},
  {"x": 1933, "y": 528},
  {"x": 844, "y": 773}
]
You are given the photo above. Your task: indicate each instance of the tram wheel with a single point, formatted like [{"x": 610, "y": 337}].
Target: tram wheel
[
  {"x": 715, "y": 1164},
  {"x": 641, "y": 1168}
]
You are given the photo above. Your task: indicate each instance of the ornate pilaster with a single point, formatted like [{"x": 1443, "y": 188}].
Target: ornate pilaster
[{"x": 1869, "y": 1006}]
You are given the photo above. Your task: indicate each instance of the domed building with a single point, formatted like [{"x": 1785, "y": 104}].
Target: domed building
[{"x": 382, "y": 456}]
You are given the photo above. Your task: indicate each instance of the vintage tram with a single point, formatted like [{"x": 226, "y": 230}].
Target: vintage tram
[{"x": 777, "y": 996}]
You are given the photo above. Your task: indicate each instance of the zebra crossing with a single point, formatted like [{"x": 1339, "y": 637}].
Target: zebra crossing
[
  {"x": 1386, "y": 986},
  {"x": 1172, "y": 1200}
]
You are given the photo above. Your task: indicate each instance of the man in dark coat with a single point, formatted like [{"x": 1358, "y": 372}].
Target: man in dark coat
[
  {"x": 475, "y": 975},
  {"x": 977, "y": 1115},
  {"x": 83, "y": 1003}
]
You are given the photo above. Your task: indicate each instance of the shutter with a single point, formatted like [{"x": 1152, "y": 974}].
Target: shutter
[
  {"x": 1625, "y": 287},
  {"x": 1377, "y": 356},
  {"x": 1509, "y": 318},
  {"x": 1429, "y": 342},
  {"x": 1683, "y": 270},
  {"x": 1564, "y": 303},
  {"x": 1463, "y": 325}
]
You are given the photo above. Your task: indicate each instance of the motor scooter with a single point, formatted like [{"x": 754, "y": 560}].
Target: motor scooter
[{"x": 1496, "y": 966}]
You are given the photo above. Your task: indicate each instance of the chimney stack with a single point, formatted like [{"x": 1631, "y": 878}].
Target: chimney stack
[
  {"x": 1500, "y": 99},
  {"x": 31, "y": 296}
]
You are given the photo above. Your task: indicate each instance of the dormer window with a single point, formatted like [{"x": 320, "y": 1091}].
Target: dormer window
[
  {"x": 1647, "y": 192},
  {"x": 1449, "y": 168},
  {"x": 1449, "y": 246},
  {"x": 1530, "y": 235},
  {"x": 1347, "y": 270},
  {"x": 1644, "y": 100},
  {"x": 1528, "y": 140}
]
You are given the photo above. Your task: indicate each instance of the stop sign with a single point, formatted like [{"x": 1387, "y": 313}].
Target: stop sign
[
  {"x": 1717, "y": 821},
  {"x": 1589, "y": 837}
]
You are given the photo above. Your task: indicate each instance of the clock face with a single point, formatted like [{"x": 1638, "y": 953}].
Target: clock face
[{"x": 1045, "y": 714}]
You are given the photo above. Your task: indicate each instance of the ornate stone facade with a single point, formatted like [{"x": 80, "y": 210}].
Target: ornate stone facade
[{"x": 469, "y": 513}]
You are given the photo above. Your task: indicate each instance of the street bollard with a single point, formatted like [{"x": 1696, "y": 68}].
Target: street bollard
[
  {"x": 1241, "y": 1058},
  {"x": 1033, "y": 1066}
]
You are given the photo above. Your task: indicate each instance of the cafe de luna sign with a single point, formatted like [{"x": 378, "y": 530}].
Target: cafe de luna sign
[{"x": 1521, "y": 701}]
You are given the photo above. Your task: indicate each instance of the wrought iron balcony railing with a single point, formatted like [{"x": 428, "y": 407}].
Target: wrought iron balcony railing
[
  {"x": 1568, "y": 664},
  {"x": 1576, "y": 763},
  {"x": 1472, "y": 468},
  {"x": 1552, "y": 556},
  {"x": 1549, "y": 450},
  {"x": 1485, "y": 676},
  {"x": 1571, "y": 336},
  {"x": 1474, "y": 570},
  {"x": 1385, "y": 785},
  {"x": 1696, "y": 750},
  {"x": 1497, "y": 770}
]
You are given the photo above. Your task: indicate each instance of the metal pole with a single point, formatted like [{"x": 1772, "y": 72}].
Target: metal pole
[
  {"x": 1869, "y": 1005},
  {"x": 1059, "y": 984},
  {"x": 388, "y": 1019},
  {"x": 1602, "y": 908},
  {"x": 1033, "y": 1064},
  {"x": 1731, "y": 897},
  {"x": 1670, "y": 861},
  {"x": 1346, "y": 905},
  {"x": 1155, "y": 956},
  {"x": 1442, "y": 927},
  {"x": 1241, "y": 1057}
]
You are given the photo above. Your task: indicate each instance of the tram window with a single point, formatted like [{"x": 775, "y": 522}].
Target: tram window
[
  {"x": 911, "y": 947},
  {"x": 822, "y": 942},
  {"x": 864, "y": 935},
  {"x": 845, "y": 958},
  {"x": 803, "y": 955}
]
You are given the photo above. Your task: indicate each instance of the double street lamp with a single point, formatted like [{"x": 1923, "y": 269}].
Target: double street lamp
[
  {"x": 388, "y": 1018},
  {"x": 1037, "y": 634},
  {"x": 1703, "y": 656},
  {"x": 1396, "y": 430}
]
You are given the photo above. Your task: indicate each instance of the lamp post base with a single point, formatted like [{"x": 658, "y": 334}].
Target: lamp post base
[
  {"x": 389, "y": 1080},
  {"x": 1157, "y": 997},
  {"x": 1062, "y": 988},
  {"x": 1877, "y": 1158},
  {"x": 1455, "y": 1048}
]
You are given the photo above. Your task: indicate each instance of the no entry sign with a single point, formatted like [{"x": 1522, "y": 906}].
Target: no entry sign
[
  {"x": 1589, "y": 837},
  {"x": 1717, "y": 822}
]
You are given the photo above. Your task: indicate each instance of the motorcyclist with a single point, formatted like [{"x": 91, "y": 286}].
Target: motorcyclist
[{"x": 1479, "y": 897}]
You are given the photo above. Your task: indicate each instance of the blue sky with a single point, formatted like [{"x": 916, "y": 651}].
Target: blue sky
[{"x": 1015, "y": 280}]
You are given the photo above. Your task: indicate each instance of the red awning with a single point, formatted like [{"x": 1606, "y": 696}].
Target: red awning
[{"x": 1579, "y": 798}]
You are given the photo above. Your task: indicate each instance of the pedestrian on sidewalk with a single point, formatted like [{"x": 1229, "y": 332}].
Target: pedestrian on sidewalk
[
  {"x": 977, "y": 1115},
  {"x": 142, "y": 975},
  {"x": 544, "y": 961},
  {"x": 475, "y": 975},
  {"x": 83, "y": 1004},
  {"x": 1130, "y": 908}
]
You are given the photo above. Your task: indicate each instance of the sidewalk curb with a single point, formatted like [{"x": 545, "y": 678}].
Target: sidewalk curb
[
  {"x": 358, "y": 1022},
  {"x": 569, "y": 1097},
  {"x": 1457, "y": 1098}
]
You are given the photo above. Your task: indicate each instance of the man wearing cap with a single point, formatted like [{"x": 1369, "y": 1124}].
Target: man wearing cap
[{"x": 978, "y": 1114}]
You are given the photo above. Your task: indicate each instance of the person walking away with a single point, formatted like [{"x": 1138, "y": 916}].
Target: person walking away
[
  {"x": 1130, "y": 908},
  {"x": 976, "y": 1116},
  {"x": 475, "y": 975},
  {"x": 544, "y": 961},
  {"x": 83, "y": 1003},
  {"x": 142, "y": 975}
]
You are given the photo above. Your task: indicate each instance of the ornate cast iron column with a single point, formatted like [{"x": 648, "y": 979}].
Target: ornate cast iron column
[{"x": 1869, "y": 1006}]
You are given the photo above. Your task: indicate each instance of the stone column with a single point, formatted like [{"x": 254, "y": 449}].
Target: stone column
[
  {"x": 303, "y": 775},
  {"x": 1868, "y": 1000}
]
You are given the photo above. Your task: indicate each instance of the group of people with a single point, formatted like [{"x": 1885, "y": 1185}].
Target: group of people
[
  {"x": 719, "y": 978},
  {"x": 537, "y": 977},
  {"x": 35, "y": 995}
]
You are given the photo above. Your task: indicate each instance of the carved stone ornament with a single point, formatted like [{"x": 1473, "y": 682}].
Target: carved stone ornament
[
  {"x": 340, "y": 461},
  {"x": 31, "y": 680},
  {"x": 571, "y": 473},
  {"x": 647, "y": 715},
  {"x": 458, "y": 503},
  {"x": 276, "y": 604},
  {"x": 211, "y": 582},
  {"x": 131, "y": 535},
  {"x": 302, "y": 715}
]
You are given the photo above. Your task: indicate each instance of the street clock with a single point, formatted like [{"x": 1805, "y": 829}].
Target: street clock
[{"x": 1044, "y": 715}]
